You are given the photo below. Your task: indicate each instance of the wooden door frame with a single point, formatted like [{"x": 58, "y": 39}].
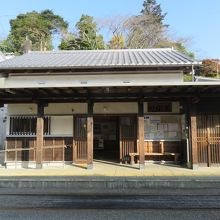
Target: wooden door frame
[
  {"x": 75, "y": 160},
  {"x": 134, "y": 116}
]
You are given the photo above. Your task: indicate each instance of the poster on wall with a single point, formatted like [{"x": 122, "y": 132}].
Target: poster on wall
[{"x": 161, "y": 127}]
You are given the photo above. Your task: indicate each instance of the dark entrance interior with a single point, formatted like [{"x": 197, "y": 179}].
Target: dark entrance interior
[{"x": 106, "y": 138}]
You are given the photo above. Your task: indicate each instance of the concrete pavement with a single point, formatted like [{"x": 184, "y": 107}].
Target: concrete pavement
[{"x": 102, "y": 168}]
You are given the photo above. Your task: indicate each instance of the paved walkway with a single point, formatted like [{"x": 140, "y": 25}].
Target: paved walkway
[{"x": 111, "y": 169}]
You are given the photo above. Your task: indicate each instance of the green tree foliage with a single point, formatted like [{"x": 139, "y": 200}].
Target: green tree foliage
[
  {"x": 177, "y": 45},
  {"x": 210, "y": 67},
  {"x": 6, "y": 46},
  {"x": 150, "y": 7},
  {"x": 86, "y": 37},
  {"x": 117, "y": 42},
  {"x": 39, "y": 27}
]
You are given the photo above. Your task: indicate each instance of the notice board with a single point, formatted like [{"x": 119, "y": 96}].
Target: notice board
[{"x": 162, "y": 127}]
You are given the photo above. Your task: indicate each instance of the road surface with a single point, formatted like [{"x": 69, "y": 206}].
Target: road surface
[{"x": 88, "y": 207}]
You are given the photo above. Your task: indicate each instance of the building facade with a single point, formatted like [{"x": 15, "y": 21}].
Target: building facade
[{"x": 123, "y": 106}]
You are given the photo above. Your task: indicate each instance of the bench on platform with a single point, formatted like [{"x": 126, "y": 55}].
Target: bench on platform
[{"x": 175, "y": 155}]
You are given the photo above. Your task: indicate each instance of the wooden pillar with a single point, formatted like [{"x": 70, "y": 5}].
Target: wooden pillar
[
  {"x": 186, "y": 108},
  {"x": 39, "y": 136},
  {"x": 140, "y": 121},
  {"x": 90, "y": 135},
  {"x": 193, "y": 127},
  {"x": 208, "y": 146}
]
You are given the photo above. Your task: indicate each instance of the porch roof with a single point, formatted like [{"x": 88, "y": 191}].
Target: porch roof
[{"x": 93, "y": 59}]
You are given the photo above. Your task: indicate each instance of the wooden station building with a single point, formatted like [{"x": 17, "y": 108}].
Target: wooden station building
[{"x": 123, "y": 106}]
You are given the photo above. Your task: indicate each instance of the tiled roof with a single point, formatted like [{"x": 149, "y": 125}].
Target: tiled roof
[
  {"x": 2, "y": 57},
  {"x": 99, "y": 58}
]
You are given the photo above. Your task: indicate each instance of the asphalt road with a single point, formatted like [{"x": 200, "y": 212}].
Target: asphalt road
[
  {"x": 60, "y": 214},
  {"x": 88, "y": 207}
]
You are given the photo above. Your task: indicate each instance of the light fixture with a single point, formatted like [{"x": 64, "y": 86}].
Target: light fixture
[
  {"x": 107, "y": 89},
  {"x": 105, "y": 108},
  {"x": 30, "y": 109}
]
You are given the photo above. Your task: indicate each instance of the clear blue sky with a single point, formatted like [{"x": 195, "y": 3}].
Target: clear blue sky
[{"x": 198, "y": 20}]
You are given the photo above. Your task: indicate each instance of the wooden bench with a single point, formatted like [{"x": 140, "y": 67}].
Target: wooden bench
[{"x": 175, "y": 155}]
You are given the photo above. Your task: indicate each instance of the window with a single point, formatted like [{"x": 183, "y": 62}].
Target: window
[{"x": 26, "y": 125}]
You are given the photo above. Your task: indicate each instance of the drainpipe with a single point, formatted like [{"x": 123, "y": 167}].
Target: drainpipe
[{"x": 193, "y": 74}]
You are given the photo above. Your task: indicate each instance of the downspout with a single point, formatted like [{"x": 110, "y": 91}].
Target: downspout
[{"x": 193, "y": 74}]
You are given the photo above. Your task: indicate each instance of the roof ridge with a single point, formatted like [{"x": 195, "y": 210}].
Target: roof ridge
[{"x": 103, "y": 50}]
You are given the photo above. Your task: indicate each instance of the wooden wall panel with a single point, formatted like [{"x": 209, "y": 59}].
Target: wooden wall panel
[
  {"x": 51, "y": 154},
  {"x": 21, "y": 155},
  {"x": 58, "y": 152},
  {"x": 208, "y": 139},
  {"x": 128, "y": 137},
  {"x": 48, "y": 153},
  {"x": 80, "y": 140}
]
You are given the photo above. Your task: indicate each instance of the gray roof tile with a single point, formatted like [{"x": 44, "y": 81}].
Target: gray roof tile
[{"x": 99, "y": 58}]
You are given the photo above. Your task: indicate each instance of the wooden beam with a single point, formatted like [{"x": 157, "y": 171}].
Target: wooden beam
[
  {"x": 10, "y": 91},
  {"x": 39, "y": 136},
  {"x": 193, "y": 126},
  {"x": 90, "y": 135},
  {"x": 141, "y": 134},
  {"x": 42, "y": 91}
]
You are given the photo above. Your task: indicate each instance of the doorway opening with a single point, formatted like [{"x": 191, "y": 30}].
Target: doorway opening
[{"x": 106, "y": 138}]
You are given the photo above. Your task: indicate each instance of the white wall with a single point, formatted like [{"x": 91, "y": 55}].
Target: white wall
[
  {"x": 53, "y": 108},
  {"x": 22, "y": 109},
  {"x": 66, "y": 108},
  {"x": 115, "y": 108},
  {"x": 62, "y": 125},
  {"x": 106, "y": 79},
  {"x": 81, "y": 108}
]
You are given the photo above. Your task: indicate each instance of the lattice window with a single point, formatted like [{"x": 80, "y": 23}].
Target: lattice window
[{"x": 26, "y": 125}]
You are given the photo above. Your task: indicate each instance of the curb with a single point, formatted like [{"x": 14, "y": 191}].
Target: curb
[{"x": 109, "y": 183}]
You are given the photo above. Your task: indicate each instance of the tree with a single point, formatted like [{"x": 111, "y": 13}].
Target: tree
[
  {"x": 143, "y": 32},
  {"x": 179, "y": 45},
  {"x": 115, "y": 26},
  {"x": 147, "y": 29},
  {"x": 38, "y": 27},
  {"x": 150, "y": 7},
  {"x": 210, "y": 67},
  {"x": 117, "y": 42},
  {"x": 6, "y": 46},
  {"x": 86, "y": 37}
]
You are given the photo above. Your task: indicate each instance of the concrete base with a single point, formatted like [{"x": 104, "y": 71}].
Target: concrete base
[
  {"x": 142, "y": 167},
  {"x": 32, "y": 164},
  {"x": 89, "y": 166},
  {"x": 189, "y": 165},
  {"x": 39, "y": 166},
  {"x": 195, "y": 166}
]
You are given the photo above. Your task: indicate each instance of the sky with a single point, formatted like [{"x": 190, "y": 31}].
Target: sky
[{"x": 198, "y": 21}]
